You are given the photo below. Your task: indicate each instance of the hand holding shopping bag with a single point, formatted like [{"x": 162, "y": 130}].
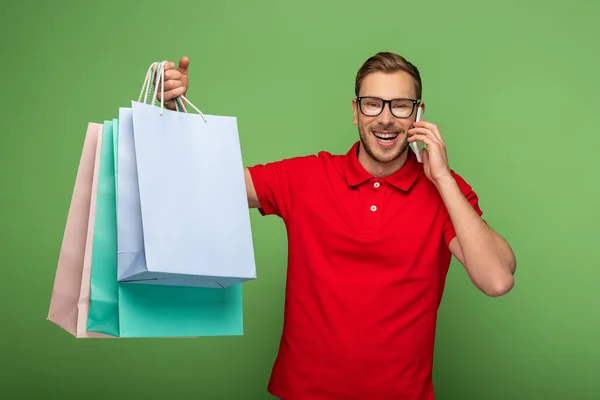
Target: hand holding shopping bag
[
  {"x": 105, "y": 225},
  {"x": 131, "y": 309},
  {"x": 192, "y": 197}
]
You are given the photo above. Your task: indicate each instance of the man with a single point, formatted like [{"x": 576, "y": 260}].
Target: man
[{"x": 371, "y": 234}]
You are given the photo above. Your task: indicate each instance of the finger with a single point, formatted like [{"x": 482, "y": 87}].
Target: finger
[
  {"x": 430, "y": 134},
  {"x": 433, "y": 127},
  {"x": 417, "y": 137},
  {"x": 169, "y": 65},
  {"x": 432, "y": 145},
  {"x": 180, "y": 91},
  {"x": 184, "y": 64},
  {"x": 425, "y": 132},
  {"x": 171, "y": 94},
  {"x": 170, "y": 84},
  {"x": 172, "y": 74}
]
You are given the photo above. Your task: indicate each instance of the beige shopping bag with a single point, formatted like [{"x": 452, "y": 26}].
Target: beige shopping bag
[{"x": 69, "y": 302}]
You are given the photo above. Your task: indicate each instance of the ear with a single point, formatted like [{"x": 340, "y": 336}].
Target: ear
[
  {"x": 422, "y": 105},
  {"x": 354, "y": 111}
]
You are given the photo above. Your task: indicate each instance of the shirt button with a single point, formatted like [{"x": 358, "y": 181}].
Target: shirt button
[
  {"x": 376, "y": 184},
  {"x": 373, "y": 208}
]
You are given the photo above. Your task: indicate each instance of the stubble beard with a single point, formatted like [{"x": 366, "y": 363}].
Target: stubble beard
[{"x": 383, "y": 156}]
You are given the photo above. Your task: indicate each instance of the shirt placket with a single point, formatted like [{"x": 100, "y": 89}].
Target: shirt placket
[{"x": 373, "y": 204}]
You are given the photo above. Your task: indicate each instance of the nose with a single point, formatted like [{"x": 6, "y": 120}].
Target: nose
[{"x": 386, "y": 116}]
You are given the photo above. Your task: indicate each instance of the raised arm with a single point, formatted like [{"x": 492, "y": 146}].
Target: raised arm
[
  {"x": 250, "y": 191},
  {"x": 487, "y": 257}
]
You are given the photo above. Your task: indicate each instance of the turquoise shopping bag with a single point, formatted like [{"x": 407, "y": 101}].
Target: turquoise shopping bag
[
  {"x": 136, "y": 309},
  {"x": 103, "y": 316}
]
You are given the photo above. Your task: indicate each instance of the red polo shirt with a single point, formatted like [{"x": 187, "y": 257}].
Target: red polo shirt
[{"x": 367, "y": 262}]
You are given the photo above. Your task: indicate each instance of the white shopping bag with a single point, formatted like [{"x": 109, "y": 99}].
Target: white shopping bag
[{"x": 182, "y": 206}]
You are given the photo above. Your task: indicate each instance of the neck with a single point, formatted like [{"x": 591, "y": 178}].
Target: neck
[{"x": 379, "y": 169}]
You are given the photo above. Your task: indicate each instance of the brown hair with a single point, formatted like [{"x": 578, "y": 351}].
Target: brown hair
[{"x": 388, "y": 62}]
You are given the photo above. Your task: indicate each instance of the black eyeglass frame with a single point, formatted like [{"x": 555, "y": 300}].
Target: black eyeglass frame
[{"x": 389, "y": 102}]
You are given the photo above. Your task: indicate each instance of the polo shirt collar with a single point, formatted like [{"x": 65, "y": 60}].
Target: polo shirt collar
[{"x": 403, "y": 179}]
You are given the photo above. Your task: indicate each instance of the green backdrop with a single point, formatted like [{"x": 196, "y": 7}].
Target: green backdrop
[{"x": 512, "y": 85}]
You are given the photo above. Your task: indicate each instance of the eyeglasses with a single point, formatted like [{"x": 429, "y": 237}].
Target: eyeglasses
[{"x": 373, "y": 106}]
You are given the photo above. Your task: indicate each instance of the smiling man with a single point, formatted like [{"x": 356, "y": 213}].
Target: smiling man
[{"x": 371, "y": 234}]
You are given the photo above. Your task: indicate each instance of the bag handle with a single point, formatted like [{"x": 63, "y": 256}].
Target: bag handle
[{"x": 156, "y": 73}]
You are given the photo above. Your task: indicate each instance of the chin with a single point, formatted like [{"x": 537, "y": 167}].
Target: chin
[
  {"x": 387, "y": 153},
  {"x": 388, "y": 157},
  {"x": 384, "y": 155}
]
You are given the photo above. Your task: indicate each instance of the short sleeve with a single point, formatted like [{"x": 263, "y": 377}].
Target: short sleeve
[
  {"x": 449, "y": 232},
  {"x": 278, "y": 184}
]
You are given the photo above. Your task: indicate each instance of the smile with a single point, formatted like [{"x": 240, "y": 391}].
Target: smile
[{"x": 385, "y": 138}]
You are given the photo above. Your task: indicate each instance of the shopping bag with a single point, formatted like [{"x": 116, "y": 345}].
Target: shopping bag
[
  {"x": 192, "y": 199},
  {"x": 84, "y": 295},
  {"x": 103, "y": 314},
  {"x": 134, "y": 310},
  {"x": 130, "y": 237},
  {"x": 68, "y": 303}
]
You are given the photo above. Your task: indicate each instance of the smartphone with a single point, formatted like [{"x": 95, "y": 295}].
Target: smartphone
[{"x": 418, "y": 146}]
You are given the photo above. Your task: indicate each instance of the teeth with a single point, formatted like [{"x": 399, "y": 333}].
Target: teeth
[{"x": 386, "y": 135}]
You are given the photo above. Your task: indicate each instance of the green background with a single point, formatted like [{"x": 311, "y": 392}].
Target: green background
[{"x": 513, "y": 86}]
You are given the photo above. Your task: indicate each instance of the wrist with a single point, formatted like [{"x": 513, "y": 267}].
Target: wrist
[{"x": 445, "y": 181}]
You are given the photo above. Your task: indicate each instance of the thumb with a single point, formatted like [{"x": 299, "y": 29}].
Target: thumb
[{"x": 184, "y": 63}]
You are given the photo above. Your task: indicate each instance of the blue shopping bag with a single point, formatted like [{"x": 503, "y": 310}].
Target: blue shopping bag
[
  {"x": 134, "y": 310},
  {"x": 190, "y": 200}
]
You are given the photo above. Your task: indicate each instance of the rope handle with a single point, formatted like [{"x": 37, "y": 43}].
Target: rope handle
[{"x": 156, "y": 74}]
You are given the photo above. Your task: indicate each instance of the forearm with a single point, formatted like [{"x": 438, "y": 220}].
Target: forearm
[{"x": 487, "y": 257}]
